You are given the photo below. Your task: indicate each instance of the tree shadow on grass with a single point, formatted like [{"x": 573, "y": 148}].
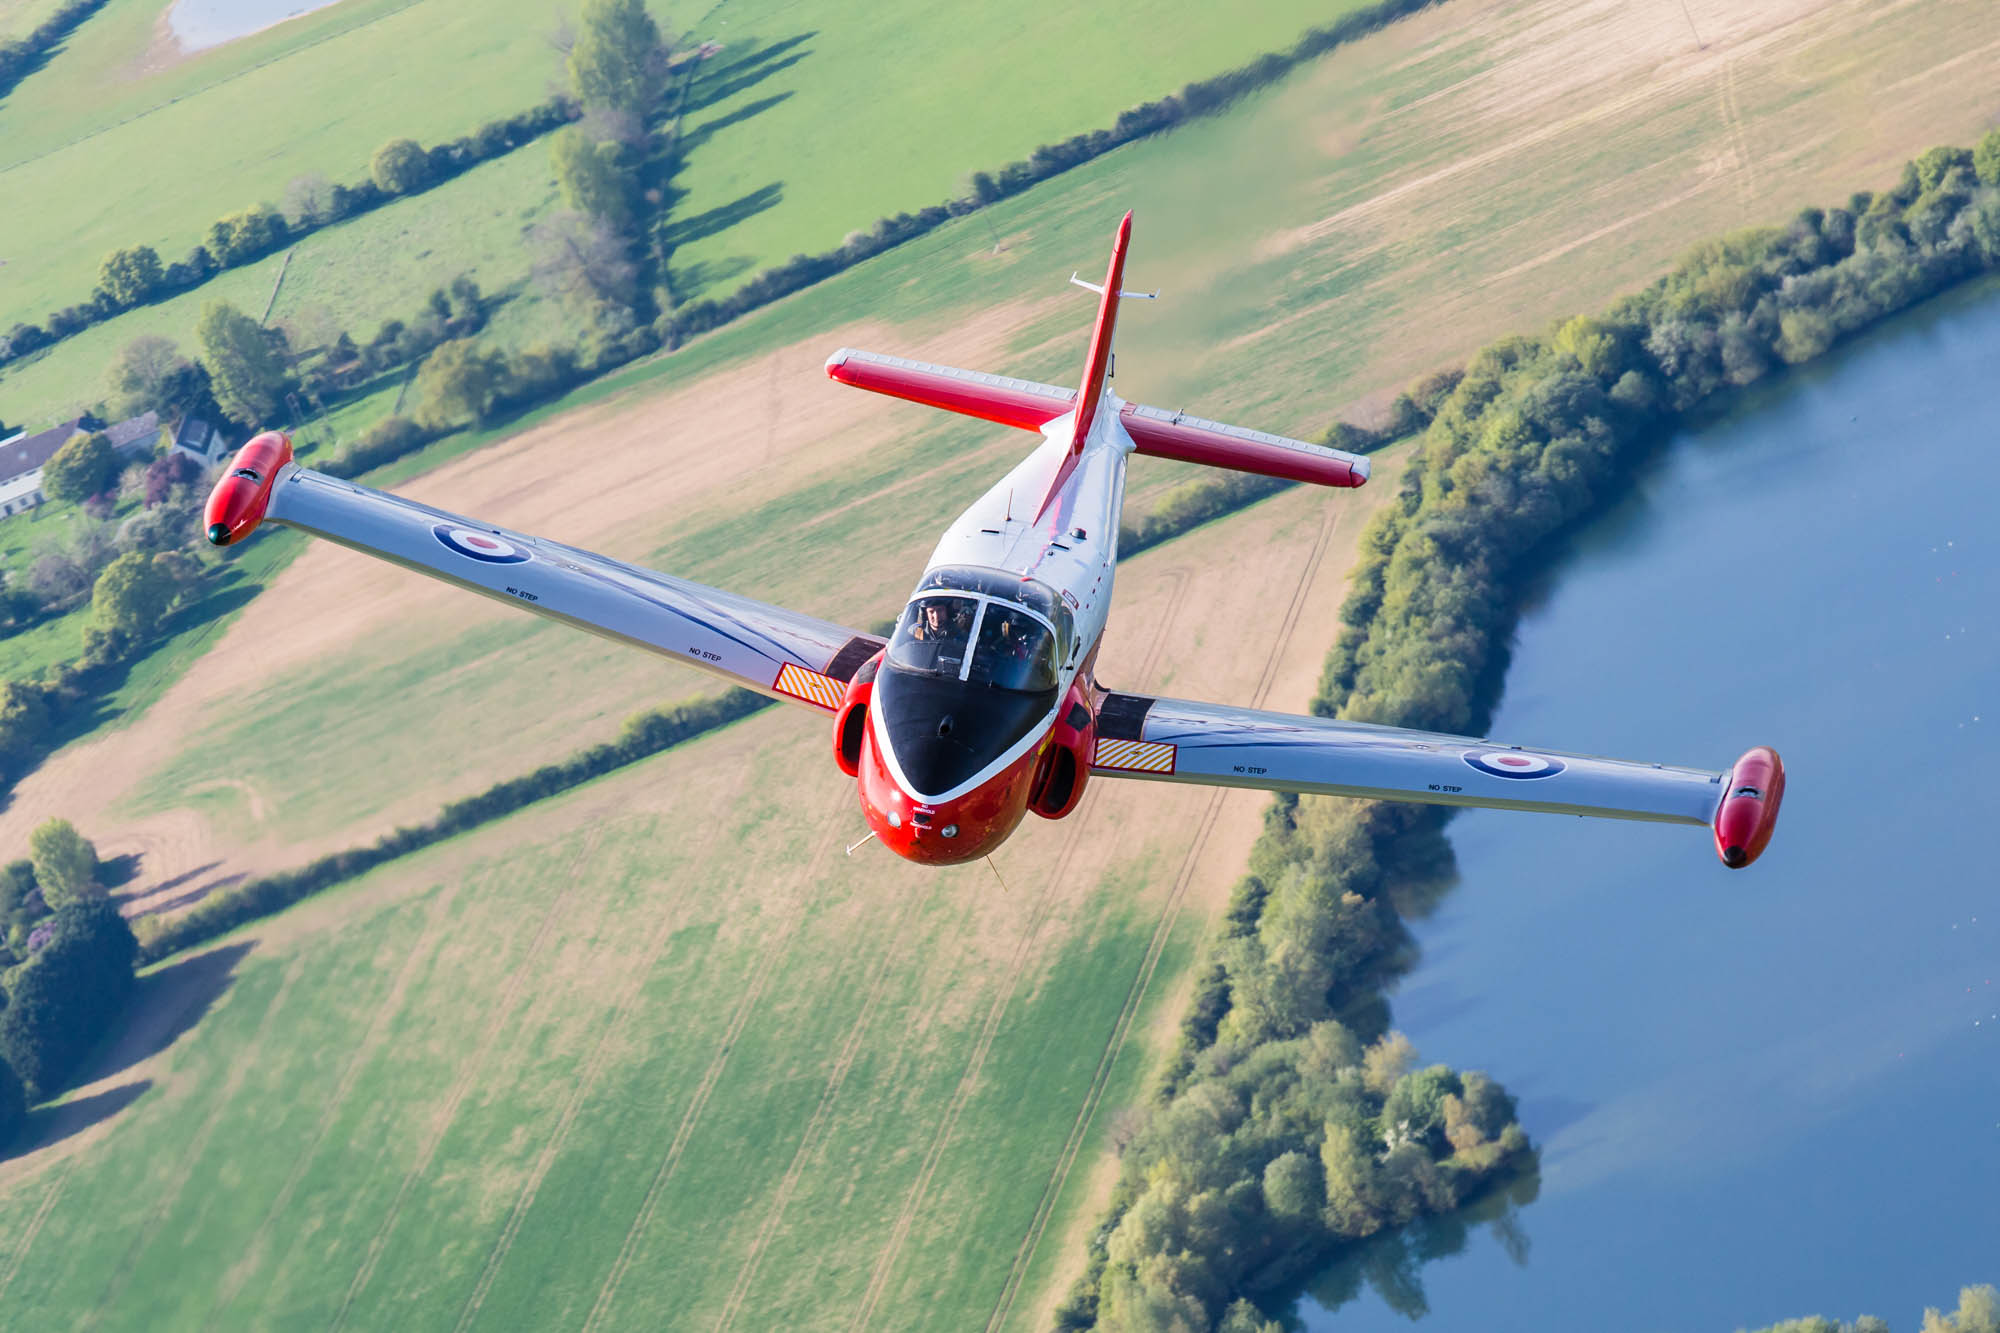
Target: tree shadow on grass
[
  {"x": 727, "y": 77},
  {"x": 40, "y": 59},
  {"x": 188, "y": 897},
  {"x": 47, "y": 1126},
  {"x": 165, "y": 1003},
  {"x": 694, "y": 279},
  {"x": 686, "y": 231},
  {"x": 707, "y": 130}
]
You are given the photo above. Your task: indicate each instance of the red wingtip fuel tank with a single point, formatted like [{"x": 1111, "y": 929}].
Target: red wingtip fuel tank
[
  {"x": 237, "y": 504},
  {"x": 1749, "y": 808}
]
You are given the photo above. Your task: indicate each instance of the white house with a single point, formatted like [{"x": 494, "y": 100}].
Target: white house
[{"x": 23, "y": 457}]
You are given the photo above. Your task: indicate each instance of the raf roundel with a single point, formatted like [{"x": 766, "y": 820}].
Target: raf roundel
[
  {"x": 473, "y": 544},
  {"x": 1513, "y": 763}
]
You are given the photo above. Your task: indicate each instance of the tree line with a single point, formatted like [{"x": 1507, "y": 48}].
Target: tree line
[
  {"x": 136, "y": 275},
  {"x": 1535, "y": 435}
]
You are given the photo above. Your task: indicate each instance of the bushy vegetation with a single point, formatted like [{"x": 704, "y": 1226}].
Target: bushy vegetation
[
  {"x": 1535, "y": 435},
  {"x": 66, "y": 996},
  {"x": 645, "y": 735},
  {"x": 1978, "y": 1312}
]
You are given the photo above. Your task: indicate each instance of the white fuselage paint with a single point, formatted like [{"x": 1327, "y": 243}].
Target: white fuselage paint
[{"x": 1001, "y": 531}]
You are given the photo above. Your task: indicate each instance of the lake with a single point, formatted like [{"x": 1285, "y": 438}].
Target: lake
[
  {"x": 198, "y": 24},
  {"x": 1769, "y": 1092}
]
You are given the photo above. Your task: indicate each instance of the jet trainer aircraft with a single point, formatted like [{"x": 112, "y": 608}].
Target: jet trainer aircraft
[{"x": 984, "y": 704}]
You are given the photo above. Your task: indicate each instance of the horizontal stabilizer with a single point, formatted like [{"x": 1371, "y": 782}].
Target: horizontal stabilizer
[
  {"x": 1022, "y": 404},
  {"x": 1155, "y": 431},
  {"x": 1098, "y": 287},
  {"x": 1159, "y": 433}
]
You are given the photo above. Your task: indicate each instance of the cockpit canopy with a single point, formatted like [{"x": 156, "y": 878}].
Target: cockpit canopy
[
  {"x": 971, "y": 671},
  {"x": 983, "y": 627}
]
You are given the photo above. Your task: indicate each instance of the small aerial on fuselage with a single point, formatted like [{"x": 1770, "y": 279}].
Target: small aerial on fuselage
[{"x": 984, "y": 703}]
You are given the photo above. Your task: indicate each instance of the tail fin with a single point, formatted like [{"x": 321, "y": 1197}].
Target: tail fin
[{"x": 1097, "y": 368}]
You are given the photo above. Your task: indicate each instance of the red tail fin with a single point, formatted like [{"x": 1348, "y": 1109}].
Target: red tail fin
[{"x": 1098, "y": 368}]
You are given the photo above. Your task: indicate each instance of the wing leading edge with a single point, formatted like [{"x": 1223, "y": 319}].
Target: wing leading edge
[
  {"x": 1172, "y": 740},
  {"x": 764, "y": 648}
]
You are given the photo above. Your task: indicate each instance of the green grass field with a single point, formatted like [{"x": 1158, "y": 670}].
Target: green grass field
[
  {"x": 1325, "y": 333},
  {"x": 662, "y": 1029},
  {"x": 708, "y": 1080},
  {"x": 653, "y": 1054},
  {"x": 142, "y": 151},
  {"x": 817, "y": 120}
]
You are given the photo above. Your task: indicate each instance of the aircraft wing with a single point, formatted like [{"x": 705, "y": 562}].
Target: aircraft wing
[
  {"x": 1172, "y": 740},
  {"x": 763, "y": 648}
]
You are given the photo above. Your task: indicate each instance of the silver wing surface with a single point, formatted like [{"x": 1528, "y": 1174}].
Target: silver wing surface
[
  {"x": 1171, "y": 740},
  {"x": 761, "y": 647}
]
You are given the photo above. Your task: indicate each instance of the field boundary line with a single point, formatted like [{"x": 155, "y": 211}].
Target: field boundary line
[
  {"x": 370, "y": 1040},
  {"x": 469, "y": 1068},
  {"x": 885, "y": 1262},
  {"x": 593, "y": 1068},
  {"x": 191, "y": 1153},
  {"x": 278, "y": 285},
  {"x": 1170, "y": 914},
  {"x": 810, "y": 1140},
  {"x": 49, "y": 1200},
  {"x": 774, "y": 946}
]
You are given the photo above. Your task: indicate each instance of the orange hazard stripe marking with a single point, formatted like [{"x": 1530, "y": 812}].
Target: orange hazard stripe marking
[
  {"x": 1134, "y": 756},
  {"x": 810, "y": 687}
]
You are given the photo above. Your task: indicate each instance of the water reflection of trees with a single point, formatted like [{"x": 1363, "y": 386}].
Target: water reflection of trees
[{"x": 1391, "y": 1264}]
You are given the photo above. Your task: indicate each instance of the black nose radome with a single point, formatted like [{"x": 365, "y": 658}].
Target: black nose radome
[
  {"x": 218, "y": 534},
  {"x": 1735, "y": 857}
]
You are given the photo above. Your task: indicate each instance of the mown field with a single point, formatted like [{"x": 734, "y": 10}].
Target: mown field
[
  {"x": 824, "y": 139},
  {"x": 1487, "y": 166},
  {"x": 659, "y": 1054}
]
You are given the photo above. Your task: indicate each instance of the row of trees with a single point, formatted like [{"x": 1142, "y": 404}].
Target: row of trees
[
  {"x": 1534, "y": 435},
  {"x": 137, "y": 274}
]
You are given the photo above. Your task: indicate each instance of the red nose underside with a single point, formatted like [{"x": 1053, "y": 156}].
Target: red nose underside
[{"x": 981, "y": 819}]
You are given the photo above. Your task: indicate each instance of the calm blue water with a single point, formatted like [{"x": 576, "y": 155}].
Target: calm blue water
[
  {"x": 203, "y": 23},
  {"x": 1776, "y": 1091}
]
